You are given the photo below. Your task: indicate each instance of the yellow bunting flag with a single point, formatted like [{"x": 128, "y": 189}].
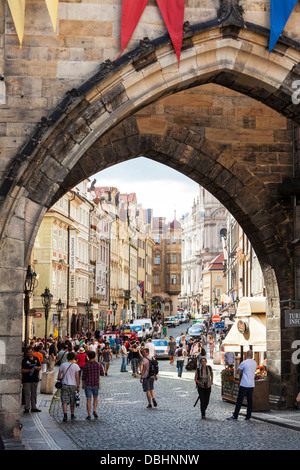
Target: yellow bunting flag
[
  {"x": 17, "y": 9},
  {"x": 52, "y": 6}
]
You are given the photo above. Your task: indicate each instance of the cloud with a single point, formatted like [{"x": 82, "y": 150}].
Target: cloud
[{"x": 157, "y": 186}]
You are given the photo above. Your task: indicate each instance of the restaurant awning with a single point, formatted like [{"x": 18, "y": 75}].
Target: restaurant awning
[
  {"x": 249, "y": 305},
  {"x": 249, "y": 329}
]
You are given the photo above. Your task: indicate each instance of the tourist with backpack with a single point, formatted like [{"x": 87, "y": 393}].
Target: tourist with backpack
[
  {"x": 180, "y": 355},
  {"x": 148, "y": 376},
  {"x": 204, "y": 381}
]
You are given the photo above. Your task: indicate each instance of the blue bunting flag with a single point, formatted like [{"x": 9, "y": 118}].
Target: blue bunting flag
[{"x": 280, "y": 12}]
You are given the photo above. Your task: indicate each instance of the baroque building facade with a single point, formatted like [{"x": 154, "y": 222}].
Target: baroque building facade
[{"x": 201, "y": 242}]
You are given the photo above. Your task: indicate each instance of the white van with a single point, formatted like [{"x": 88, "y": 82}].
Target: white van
[{"x": 147, "y": 322}]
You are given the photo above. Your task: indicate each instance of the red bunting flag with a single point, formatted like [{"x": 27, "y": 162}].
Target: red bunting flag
[{"x": 172, "y": 12}]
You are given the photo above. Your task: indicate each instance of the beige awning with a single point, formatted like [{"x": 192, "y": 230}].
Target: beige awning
[
  {"x": 249, "y": 305},
  {"x": 251, "y": 313}
]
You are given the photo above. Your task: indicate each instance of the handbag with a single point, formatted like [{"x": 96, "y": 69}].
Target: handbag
[{"x": 58, "y": 384}]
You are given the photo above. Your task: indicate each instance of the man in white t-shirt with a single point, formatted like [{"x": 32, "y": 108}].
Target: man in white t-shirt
[
  {"x": 93, "y": 346},
  {"x": 247, "y": 369},
  {"x": 151, "y": 348},
  {"x": 69, "y": 375}
]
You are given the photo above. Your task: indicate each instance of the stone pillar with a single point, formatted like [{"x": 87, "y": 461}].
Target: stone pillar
[
  {"x": 11, "y": 308},
  {"x": 16, "y": 247}
]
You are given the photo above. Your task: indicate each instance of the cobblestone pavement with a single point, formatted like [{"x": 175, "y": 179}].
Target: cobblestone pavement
[{"x": 125, "y": 423}]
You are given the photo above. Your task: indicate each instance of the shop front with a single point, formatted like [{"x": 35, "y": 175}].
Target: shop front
[{"x": 247, "y": 332}]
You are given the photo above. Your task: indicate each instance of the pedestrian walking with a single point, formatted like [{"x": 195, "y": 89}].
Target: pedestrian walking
[
  {"x": 247, "y": 370},
  {"x": 124, "y": 355},
  {"x": 135, "y": 359},
  {"x": 151, "y": 347},
  {"x": 93, "y": 346},
  {"x": 118, "y": 342},
  {"x": 68, "y": 373},
  {"x": 204, "y": 381},
  {"x": 81, "y": 359},
  {"x": 211, "y": 345},
  {"x": 180, "y": 355},
  {"x": 37, "y": 353},
  {"x": 52, "y": 356},
  {"x": 106, "y": 357},
  {"x": 91, "y": 373},
  {"x": 62, "y": 356},
  {"x": 147, "y": 381},
  {"x": 171, "y": 349},
  {"x": 229, "y": 358},
  {"x": 31, "y": 367}
]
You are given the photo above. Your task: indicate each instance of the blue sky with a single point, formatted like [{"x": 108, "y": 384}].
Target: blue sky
[{"x": 157, "y": 186}]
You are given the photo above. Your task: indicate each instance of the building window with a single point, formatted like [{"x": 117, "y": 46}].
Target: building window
[
  {"x": 156, "y": 280},
  {"x": 157, "y": 259},
  {"x": 173, "y": 279}
]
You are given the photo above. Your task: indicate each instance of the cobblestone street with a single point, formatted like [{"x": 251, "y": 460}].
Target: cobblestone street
[{"x": 125, "y": 423}]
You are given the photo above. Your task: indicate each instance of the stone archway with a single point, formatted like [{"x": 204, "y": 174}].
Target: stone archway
[{"x": 88, "y": 130}]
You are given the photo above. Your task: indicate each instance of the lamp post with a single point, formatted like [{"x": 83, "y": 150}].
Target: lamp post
[
  {"x": 59, "y": 307},
  {"x": 28, "y": 291},
  {"x": 46, "y": 301},
  {"x": 88, "y": 308},
  {"x": 114, "y": 307}
]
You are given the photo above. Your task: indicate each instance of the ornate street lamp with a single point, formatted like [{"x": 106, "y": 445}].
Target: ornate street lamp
[
  {"x": 46, "y": 301},
  {"x": 114, "y": 307},
  {"x": 30, "y": 284},
  {"x": 59, "y": 308}
]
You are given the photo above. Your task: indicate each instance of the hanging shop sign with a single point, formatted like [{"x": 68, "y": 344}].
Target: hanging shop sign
[
  {"x": 72, "y": 239},
  {"x": 242, "y": 326}
]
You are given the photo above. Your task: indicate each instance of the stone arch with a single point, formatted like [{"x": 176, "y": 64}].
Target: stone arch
[
  {"x": 232, "y": 57},
  {"x": 101, "y": 107}
]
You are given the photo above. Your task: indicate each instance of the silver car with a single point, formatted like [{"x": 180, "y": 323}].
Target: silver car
[{"x": 161, "y": 348}]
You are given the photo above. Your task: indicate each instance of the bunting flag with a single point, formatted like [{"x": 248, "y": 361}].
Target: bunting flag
[
  {"x": 173, "y": 15},
  {"x": 52, "y": 6},
  {"x": 280, "y": 12},
  {"x": 140, "y": 288},
  {"x": 17, "y": 9}
]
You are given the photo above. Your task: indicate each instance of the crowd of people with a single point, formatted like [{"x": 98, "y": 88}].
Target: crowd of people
[{"x": 84, "y": 358}]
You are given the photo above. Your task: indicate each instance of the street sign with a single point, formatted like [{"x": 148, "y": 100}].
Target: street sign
[
  {"x": 292, "y": 318},
  {"x": 216, "y": 318},
  {"x": 219, "y": 325}
]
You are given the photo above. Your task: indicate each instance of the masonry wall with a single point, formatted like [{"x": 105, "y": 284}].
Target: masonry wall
[{"x": 88, "y": 33}]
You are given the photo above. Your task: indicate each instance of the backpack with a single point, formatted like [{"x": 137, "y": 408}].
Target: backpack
[
  {"x": 153, "y": 367},
  {"x": 180, "y": 353}
]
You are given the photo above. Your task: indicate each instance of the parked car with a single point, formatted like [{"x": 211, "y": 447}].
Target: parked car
[
  {"x": 170, "y": 321},
  {"x": 147, "y": 322},
  {"x": 176, "y": 318},
  {"x": 161, "y": 348},
  {"x": 195, "y": 330},
  {"x": 136, "y": 331}
]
